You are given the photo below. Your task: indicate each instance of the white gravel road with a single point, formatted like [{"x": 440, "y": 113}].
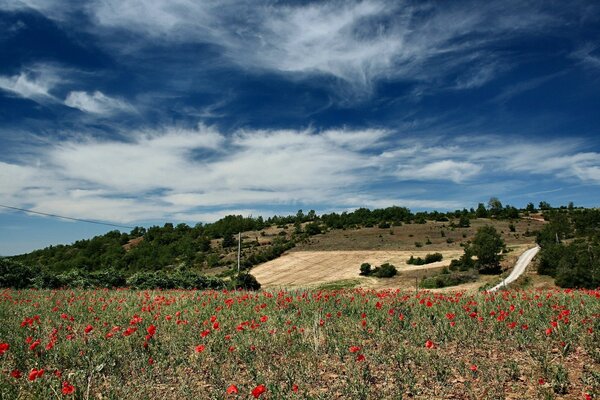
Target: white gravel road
[{"x": 519, "y": 268}]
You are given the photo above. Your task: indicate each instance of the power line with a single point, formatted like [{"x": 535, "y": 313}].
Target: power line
[{"x": 89, "y": 221}]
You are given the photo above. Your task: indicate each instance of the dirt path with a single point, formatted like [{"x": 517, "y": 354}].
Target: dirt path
[{"x": 519, "y": 268}]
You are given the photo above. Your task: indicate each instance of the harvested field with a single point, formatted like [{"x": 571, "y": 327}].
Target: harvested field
[
  {"x": 316, "y": 268},
  {"x": 309, "y": 268}
]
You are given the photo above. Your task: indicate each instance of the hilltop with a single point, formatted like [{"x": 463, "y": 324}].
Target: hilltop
[{"x": 206, "y": 254}]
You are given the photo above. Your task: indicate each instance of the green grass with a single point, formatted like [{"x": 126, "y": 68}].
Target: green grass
[{"x": 332, "y": 344}]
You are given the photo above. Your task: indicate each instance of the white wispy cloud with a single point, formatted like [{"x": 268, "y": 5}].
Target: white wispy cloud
[
  {"x": 455, "y": 171},
  {"x": 175, "y": 172},
  {"x": 96, "y": 103},
  {"x": 358, "y": 42},
  {"x": 33, "y": 83}
]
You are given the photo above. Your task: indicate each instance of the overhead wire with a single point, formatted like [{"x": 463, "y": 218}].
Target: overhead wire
[{"x": 89, "y": 221}]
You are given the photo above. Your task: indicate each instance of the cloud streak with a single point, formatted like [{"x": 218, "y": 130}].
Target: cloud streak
[
  {"x": 356, "y": 42},
  {"x": 181, "y": 172},
  {"x": 96, "y": 103}
]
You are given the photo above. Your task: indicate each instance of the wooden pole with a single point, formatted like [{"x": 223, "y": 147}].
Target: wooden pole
[{"x": 239, "y": 250}]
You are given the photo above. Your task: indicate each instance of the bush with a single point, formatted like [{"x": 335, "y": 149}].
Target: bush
[
  {"x": 429, "y": 258},
  {"x": 173, "y": 280},
  {"x": 365, "y": 269},
  {"x": 312, "y": 229},
  {"x": 386, "y": 270},
  {"x": 15, "y": 275},
  {"x": 244, "y": 281},
  {"x": 447, "y": 279}
]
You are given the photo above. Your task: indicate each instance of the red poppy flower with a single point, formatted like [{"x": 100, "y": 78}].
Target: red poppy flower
[
  {"x": 15, "y": 373},
  {"x": 354, "y": 349},
  {"x": 151, "y": 330},
  {"x": 295, "y": 388},
  {"x": 360, "y": 357},
  {"x": 4, "y": 348},
  {"x": 35, "y": 373},
  {"x": 541, "y": 381},
  {"x": 429, "y": 344},
  {"x": 35, "y": 344},
  {"x": 67, "y": 388},
  {"x": 205, "y": 333},
  {"x": 473, "y": 368},
  {"x": 257, "y": 391},
  {"x": 88, "y": 329},
  {"x": 200, "y": 348},
  {"x": 232, "y": 390}
]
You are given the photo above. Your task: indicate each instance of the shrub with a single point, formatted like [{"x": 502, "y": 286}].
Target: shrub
[
  {"x": 245, "y": 281},
  {"x": 429, "y": 258},
  {"x": 386, "y": 270},
  {"x": 433, "y": 257},
  {"x": 365, "y": 269},
  {"x": 312, "y": 229},
  {"x": 15, "y": 275},
  {"x": 447, "y": 279}
]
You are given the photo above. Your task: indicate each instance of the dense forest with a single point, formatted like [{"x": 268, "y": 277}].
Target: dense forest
[{"x": 180, "y": 255}]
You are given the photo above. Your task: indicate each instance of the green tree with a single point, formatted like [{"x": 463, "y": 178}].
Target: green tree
[
  {"x": 481, "y": 211},
  {"x": 487, "y": 246},
  {"x": 229, "y": 240},
  {"x": 495, "y": 206},
  {"x": 464, "y": 221}
]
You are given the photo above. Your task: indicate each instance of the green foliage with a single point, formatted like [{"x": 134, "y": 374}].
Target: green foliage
[
  {"x": 487, "y": 247},
  {"x": 229, "y": 240},
  {"x": 481, "y": 211},
  {"x": 464, "y": 221},
  {"x": 171, "y": 280},
  {"x": 244, "y": 281},
  {"x": 464, "y": 263},
  {"x": 448, "y": 279},
  {"x": 365, "y": 269},
  {"x": 386, "y": 270},
  {"x": 15, "y": 275},
  {"x": 314, "y": 228},
  {"x": 429, "y": 258},
  {"x": 573, "y": 263}
]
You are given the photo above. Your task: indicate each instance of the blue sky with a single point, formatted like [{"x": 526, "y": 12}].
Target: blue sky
[{"x": 141, "y": 112}]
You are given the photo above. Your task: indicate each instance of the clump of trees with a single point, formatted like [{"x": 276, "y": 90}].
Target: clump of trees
[
  {"x": 487, "y": 247},
  {"x": 570, "y": 247},
  {"x": 386, "y": 270},
  {"x": 429, "y": 258}
]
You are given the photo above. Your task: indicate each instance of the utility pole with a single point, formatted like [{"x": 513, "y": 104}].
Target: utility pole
[{"x": 239, "y": 249}]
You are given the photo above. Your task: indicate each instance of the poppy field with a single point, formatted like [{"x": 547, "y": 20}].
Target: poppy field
[{"x": 305, "y": 344}]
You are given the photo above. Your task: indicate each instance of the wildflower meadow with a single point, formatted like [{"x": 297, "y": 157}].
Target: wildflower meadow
[{"x": 304, "y": 344}]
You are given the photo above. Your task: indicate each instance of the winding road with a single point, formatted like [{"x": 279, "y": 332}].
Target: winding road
[{"x": 519, "y": 268}]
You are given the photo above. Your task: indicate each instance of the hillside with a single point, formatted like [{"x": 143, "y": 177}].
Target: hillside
[
  {"x": 326, "y": 248},
  {"x": 334, "y": 257}
]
